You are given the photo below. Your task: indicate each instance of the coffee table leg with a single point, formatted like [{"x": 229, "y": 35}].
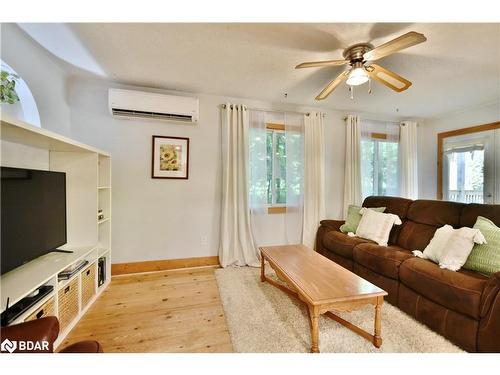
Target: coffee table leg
[
  {"x": 262, "y": 268},
  {"x": 377, "y": 339},
  {"x": 314, "y": 317}
]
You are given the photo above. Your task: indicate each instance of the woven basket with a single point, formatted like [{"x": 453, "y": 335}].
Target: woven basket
[
  {"x": 47, "y": 309},
  {"x": 67, "y": 298},
  {"x": 88, "y": 284}
]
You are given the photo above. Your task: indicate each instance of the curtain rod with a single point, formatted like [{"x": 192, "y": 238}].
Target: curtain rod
[
  {"x": 270, "y": 110},
  {"x": 370, "y": 119}
]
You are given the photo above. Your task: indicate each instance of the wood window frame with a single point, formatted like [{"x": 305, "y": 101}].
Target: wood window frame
[
  {"x": 379, "y": 135},
  {"x": 453, "y": 133}
]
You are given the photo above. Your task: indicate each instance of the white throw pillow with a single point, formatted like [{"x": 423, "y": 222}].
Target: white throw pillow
[
  {"x": 434, "y": 251},
  {"x": 450, "y": 247},
  {"x": 376, "y": 226}
]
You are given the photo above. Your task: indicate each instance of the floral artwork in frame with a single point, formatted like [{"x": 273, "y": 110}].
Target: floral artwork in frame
[{"x": 170, "y": 157}]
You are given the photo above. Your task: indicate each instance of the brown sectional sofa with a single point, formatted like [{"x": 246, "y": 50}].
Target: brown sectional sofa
[{"x": 462, "y": 306}]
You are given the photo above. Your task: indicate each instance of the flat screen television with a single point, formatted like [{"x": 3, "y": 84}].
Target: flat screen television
[{"x": 33, "y": 214}]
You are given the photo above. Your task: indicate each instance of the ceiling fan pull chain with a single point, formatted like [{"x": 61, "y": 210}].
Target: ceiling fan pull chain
[
  {"x": 351, "y": 89},
  {"x": 369, "y": 85}
]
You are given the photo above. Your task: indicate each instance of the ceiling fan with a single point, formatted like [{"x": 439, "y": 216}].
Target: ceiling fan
[{"x": 360, "y": 56}]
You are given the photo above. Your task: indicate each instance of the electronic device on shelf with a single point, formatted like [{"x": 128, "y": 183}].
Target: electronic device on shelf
[
  {"x": 71, "y": 270},
  {"x": 15, "y": 311},
  {"x": 33, "y": 215},
  {"x": 101, "y": 271}
]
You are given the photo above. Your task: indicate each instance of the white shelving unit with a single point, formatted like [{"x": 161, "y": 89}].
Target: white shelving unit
[
  {"x": 104, "y": 204},
  {"x": 88, "y": 189}
]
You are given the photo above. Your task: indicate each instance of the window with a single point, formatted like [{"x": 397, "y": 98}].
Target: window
[
  {"x": 465, "y": 175},
  {"x": 379, "y": 165},
  {"x": 276, "y": 165},
  {"x": 467, "y": 163}
]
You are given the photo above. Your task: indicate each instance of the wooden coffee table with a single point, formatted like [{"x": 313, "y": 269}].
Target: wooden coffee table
[{"x": 323, "y": 286}]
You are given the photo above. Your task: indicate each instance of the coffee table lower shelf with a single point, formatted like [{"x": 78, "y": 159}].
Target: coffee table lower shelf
[{"x": 315, "y": 310}]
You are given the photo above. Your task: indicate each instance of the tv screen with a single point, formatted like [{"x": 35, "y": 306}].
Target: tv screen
[{"x": 33, "y": 215}]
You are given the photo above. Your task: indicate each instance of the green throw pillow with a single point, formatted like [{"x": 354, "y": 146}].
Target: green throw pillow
[
  {"x": 485, "y": 258},
  {"x": 353, "y": 218}
]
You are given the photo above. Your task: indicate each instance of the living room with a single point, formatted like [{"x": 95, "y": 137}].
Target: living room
[{"x": 161, "y": 180}]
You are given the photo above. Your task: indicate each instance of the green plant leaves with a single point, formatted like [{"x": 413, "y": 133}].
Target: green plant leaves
[{"x": 8, "y": 87}]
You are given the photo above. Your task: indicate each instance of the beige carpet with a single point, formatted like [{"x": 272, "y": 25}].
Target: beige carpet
[{"x": 261, "y": 318}]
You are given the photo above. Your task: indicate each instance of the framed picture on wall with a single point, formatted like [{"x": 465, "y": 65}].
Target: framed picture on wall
[{"x": 170, "y": 157}]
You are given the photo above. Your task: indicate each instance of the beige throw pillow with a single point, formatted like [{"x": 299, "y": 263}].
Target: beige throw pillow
[
  {"x": 450, "y": 247},
  {"x": 376, "y": 226},
  {"x": 434, "y": 251}
]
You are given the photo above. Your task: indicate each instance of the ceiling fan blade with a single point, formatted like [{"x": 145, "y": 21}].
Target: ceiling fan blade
[
  {"x": 312, "y": 64},
  {"x": 404, "y": 41},
  {"x": 332, "y": 85},
  {"x": 390, "y": 79}
]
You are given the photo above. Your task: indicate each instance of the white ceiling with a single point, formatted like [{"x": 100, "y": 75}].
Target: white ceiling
[{"x": 458, "y": 66}]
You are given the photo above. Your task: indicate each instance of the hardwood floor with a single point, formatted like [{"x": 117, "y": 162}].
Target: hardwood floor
[{"x": 166, "y": 311}]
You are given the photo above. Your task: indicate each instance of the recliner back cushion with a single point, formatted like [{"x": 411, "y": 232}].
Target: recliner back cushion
[
  {"x": 470, "y": 212},
  {"x": 437, "y": 213},
  {"x": 393, "y": 205},
  {"x": 415, "y": 236},
  {"x": 423, "y": 218}
]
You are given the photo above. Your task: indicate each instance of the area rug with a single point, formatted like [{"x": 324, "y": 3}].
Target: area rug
[{"x": 261, "y": 318}]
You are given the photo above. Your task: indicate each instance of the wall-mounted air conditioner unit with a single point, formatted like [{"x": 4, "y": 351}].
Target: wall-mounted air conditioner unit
[{"x": 146, "y": 105}]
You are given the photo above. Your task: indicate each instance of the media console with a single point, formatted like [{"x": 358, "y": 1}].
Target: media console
[{"x": 88, "y": 190}]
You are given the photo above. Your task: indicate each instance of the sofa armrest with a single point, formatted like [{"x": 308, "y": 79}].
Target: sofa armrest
[
  {"x": 332, "y": 224},
  {"x": 488, "y": 339},
  {"x": 489, "y": 293},
  {"x": 325, "y": 227},
  {"x": 44, "y": 329}
]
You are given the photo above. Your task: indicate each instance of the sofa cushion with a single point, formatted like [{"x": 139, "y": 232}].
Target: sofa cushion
[
  {"x": 422, "y": 220},
  {"x": 470, "y": 212},
  {"x": 393, "y": 205},
  {"x": 459, "y": 291},
  {"x": 415, "y": 236},
  {"x": 341, "y": 244},
  {"x": 436, "y": 213},
  {"x": 384, "y": 260}
]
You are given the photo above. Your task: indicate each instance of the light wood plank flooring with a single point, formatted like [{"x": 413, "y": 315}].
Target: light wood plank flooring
[{"x": 167, "y": 311}]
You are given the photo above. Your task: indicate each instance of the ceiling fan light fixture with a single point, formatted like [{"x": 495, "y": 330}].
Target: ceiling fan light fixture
[{"x": 358, "y": 75}]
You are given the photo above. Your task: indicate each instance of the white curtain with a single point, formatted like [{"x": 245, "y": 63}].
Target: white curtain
[
  {"x": 236, "y": 244},
  {"x": 259, "y": 187},
  {"x": 408, "y": 176},
  {"x": 294, "y": 143},
  {"x": 314, "y": 176},
  {"x": 352, "y": 173}
]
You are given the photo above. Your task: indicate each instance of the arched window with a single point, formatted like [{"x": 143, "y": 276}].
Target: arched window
[{"x": 25, "y": 109}]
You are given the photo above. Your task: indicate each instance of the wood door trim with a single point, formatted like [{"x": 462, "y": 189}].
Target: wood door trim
[
  {"x": 454, "y": 133},
  {"x": 162, "y": 265}
]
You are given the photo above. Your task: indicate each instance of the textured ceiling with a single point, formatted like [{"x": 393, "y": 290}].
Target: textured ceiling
[{"x": 458, "y": 66}]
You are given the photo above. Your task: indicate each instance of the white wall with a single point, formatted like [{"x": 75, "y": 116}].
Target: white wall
[
  {"x": 45, "y": 78},
  {"x": 428, "y": 130},
  {"x": 164, "y": 219}
]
